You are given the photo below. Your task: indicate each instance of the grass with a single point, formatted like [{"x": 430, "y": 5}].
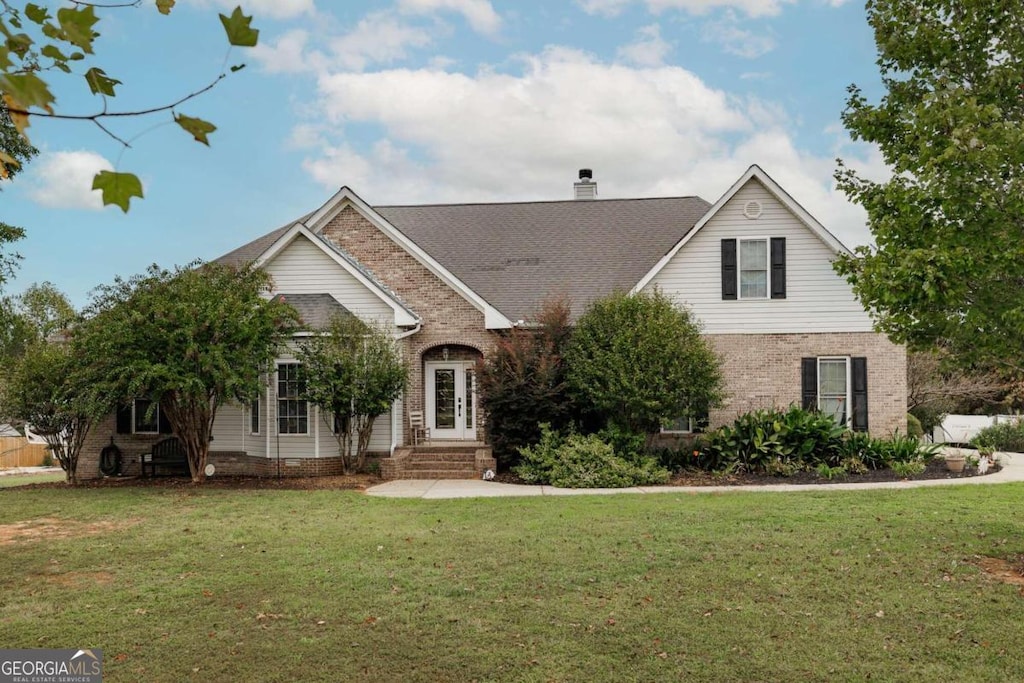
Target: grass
[
  {"x": 186, "y": 584},
  {"x": 8, "y": 480}
]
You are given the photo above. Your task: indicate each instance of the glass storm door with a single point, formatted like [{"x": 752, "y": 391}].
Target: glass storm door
[{"x": 451, "y": 410}]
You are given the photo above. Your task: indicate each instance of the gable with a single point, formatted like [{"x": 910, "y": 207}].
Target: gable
[
  {"x": 817, "y": 299},
  {"x": 302, "y": 267}
]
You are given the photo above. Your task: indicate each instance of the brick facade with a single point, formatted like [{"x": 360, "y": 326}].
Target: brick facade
[
  {"x": 763, "y": 370},
  {"x": 448, "y": 318}
]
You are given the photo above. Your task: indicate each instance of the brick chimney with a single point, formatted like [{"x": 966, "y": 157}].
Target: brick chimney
[{"x": 586, "y": 188}]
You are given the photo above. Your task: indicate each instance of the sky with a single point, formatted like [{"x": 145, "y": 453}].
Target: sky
[{"x": 436, "y": 101}]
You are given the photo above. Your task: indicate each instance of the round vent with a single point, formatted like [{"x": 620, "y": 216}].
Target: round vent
[{"x": 752, "y": 209}]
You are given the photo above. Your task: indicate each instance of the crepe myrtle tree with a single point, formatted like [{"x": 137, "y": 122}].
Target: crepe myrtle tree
[
  {"x": 192, "y": 339},
  {"x": 353, "y": 371},
  {"x": 48, "y": 390},
  {"x": 946, "y": 270},
  {"x": 640, "y": 361}
]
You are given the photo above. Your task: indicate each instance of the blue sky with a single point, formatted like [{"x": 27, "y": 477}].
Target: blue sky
[{"x": 425, "y": 101}]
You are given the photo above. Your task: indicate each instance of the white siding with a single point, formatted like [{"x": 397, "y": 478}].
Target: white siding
[
  {"x": 817, "y": 299},
  {"x": 227, "y": 428},
  {"x": 303, "y": 268}
]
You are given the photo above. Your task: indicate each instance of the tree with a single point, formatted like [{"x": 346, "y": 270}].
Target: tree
[
  {"x": 641, "y": 361},
  {"x": 522, "y": 382},
  {"x": 32, "y": 317},
  {"x": 947, "y": 270},
  {"x": 191, "y": 339},
  {"x": 936, "y": 385},
  {"x": 49, "y": 391},
  {"x": 37, "y": 44},
  {"x": 15, "y": 151},
  {"x": 354, "y": 372}
]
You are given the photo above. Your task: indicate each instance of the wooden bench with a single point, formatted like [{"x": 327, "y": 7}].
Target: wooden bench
[{"x": 168, "y": 455}]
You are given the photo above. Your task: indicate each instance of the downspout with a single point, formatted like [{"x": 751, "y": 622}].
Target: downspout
[{"x": 394, "y": 413}]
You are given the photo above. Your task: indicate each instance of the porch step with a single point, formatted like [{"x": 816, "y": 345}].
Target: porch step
[
  {"x": 447, "y": 464},
  {"x": 446, "y": 456},
  {"x": 433, "y": 449},
  {"x": 438, "y": 474}
]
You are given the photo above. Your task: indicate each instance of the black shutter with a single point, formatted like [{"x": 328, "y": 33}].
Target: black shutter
[
  {"x": 728, "y": 269},
  {"x": 859, "y": 370},
  {"x": 809, "y": 383},
  {"x": 124, "y": 419},
  {"x": 165, "y": 424},
  {"x": 778, "y": 267}
]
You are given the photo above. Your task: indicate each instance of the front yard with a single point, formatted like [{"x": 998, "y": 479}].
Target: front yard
[{"x": 180, "y": 583}]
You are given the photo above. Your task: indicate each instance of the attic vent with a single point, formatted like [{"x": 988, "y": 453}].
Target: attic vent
[{"x": 752, "y": 209}]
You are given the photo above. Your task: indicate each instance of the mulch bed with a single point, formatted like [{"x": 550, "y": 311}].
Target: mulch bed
[{"x": 936, "y": 469}]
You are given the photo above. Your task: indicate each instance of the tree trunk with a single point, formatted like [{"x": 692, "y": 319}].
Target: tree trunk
[
  {"x": 191, "y": 421},
  {"x": 365, "y": 430}
]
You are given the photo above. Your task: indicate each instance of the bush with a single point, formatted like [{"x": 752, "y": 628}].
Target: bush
[
  {"x": 773, "y": 441},
  {"x": 522, "y": 383},
  {"x": 678, "y": 459},
  {"x": 914, "y": 428},
  {"x": 577, "y": 461},
  {"x": 1005, "y": 436}
]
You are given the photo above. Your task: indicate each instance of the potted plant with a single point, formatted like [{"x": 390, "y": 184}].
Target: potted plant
[{"x": 955, "y": 460}]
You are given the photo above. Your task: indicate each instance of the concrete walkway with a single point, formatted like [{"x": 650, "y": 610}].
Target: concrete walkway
[{"x": 1013, "y": 470}]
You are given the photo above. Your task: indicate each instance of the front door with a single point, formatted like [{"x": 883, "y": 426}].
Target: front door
[{"x": 451, "y": 404}]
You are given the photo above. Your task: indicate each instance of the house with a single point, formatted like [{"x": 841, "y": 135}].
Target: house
[{"x": 754, "y": 267}]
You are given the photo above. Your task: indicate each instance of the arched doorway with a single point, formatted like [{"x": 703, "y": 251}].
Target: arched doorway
[{"x": 449, "y": 388}]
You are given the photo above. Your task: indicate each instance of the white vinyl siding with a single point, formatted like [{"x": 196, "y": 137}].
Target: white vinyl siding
[
  {"x": 817, "y": 299},
  {"x": 228, "y": 428},
  {"x": 303, "y": 268}
]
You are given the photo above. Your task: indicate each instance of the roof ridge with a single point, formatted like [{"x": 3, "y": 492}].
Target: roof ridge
[{"x": 539, "y": 201}]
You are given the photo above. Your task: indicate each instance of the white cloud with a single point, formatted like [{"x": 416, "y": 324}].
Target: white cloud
[
  {"x": 63, "y": 180},
  {"x": 727, "y": 33},
  {"x": 652, "y": 131},
  {"x": 649, "y": 49},
  {"x": 479, "y": 13},
  {"x": 272, "y": 9},
  {"x": 377, "y": 38},
  {"x": 752, "y": 8},
  {"x": 286, "y": 55}
]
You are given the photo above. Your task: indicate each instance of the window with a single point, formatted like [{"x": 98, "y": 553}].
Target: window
[
  {"x": 145, "y": 417},
  {"x": 834, "y": 388},
  {"x": 254, "y": 416},
  {"x": 837, "y": 386},
  {"x": 292, "y": 409},
  {"x": 754, "y": 269},
  {"x": 687, "y": 424}
]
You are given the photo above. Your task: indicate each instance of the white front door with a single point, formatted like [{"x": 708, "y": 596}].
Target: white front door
[{"x": 451, "y": 404}]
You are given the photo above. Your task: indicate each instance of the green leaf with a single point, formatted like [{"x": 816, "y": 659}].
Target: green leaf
[
  {"x": 77, "y": 25},
  {"x": 19, "y": 44},
  {"x": 100, "y": 83},
  {"x": 164, "y": 6},
  {"x": 237, "y": 67},
  {"x": 117, "y": 188},
  {"x": 27, "y": 90},
  {"x": 54, "y": 53},
  {"x": 5, "y": 59},
  {"x": 36, "y": 14},
  {"x": 198, "y": 128},
  {"x": 238, "y": 30}
]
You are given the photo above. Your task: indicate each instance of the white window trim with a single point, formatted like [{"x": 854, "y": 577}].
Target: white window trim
[
  {"x": 767, "y": 268},
  {"x": 259, "y": 416},
  {"x": 848, "y": 422},
  {"x": 156, "y": 414},
  {"x": 278, "y": 399}
]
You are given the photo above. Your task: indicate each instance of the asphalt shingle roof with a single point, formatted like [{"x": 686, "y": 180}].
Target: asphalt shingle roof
[
  {"x": 516, "y": 255},
  {"x": 315, "y": 310}
]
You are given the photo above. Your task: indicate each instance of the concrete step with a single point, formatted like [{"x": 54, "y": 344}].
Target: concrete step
[
  {"x": 424, "y": 449},
  {"x": 446, "y": 466},
  {"x": 438, "y": 474},
  {"x": 444, "y": 457}
]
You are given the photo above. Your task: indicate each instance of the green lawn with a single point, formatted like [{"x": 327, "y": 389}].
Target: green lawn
[
  {"x": 219, "y": 585},
  {"x": 9, "y": 480}
]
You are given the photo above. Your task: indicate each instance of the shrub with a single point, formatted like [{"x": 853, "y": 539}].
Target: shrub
[
  {"x": 1004, "y": 436},
  {"x": 900, "y": 449},
  {"x": 641, "y": 361},
  {"x": 826, "y": 471},
  {"x": 774, "y": 441},
  {"x": 577, "y": 461},
  {"x": 522, "y": 383},
  {"x": 914, "y": 428},
  {"x": 861, "y": 447},
  {"x": 908, "y": 468},
  {"x": 678, "y": 459}
]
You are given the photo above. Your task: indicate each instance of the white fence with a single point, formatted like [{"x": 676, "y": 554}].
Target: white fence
[{"x": 963, "y": 428}]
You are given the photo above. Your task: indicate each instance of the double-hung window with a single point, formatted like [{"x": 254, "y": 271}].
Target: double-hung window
[
  {"x": 292, "y": 409},
  {"x": 753, "y": 269},
  {"x": 145, "y": 417},
  {"x": 834, "y": 388}
]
